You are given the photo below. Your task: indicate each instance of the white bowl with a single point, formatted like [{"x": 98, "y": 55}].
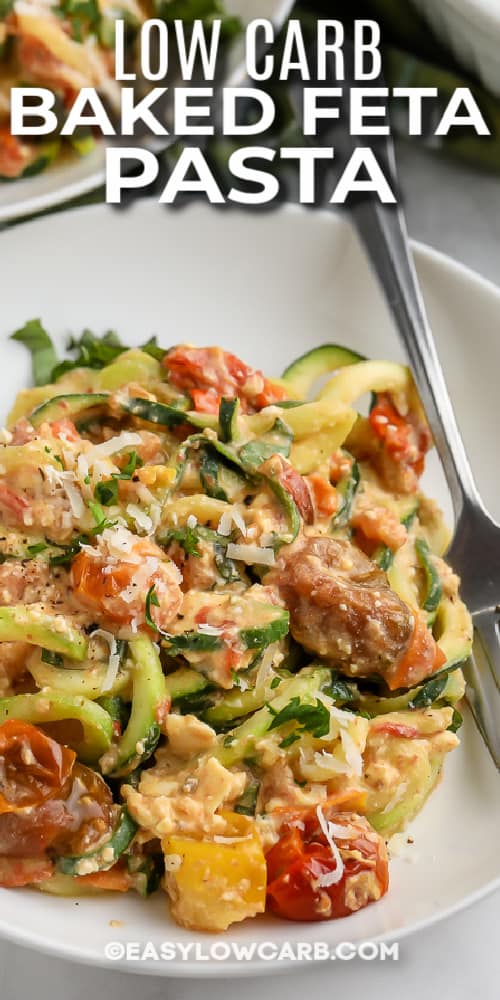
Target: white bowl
[
  {"x": 471, "y": 28},
  {"x": 266, "y": 286},
  {"x": 75, "y": 177}
]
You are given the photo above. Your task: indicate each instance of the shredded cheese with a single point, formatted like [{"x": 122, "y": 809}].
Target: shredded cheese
[
  {"x": 251, "y": 554},
  {"x": 327, "y": 879},
  {"x": 114, "y": 657},
  {"x": 127, "y": 439}
]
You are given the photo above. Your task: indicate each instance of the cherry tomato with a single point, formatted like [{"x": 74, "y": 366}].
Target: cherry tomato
[
  {"x": 64, "y": 428},
  {"x": 423, "y": 657},
  {"x": 99, "y": 584},
  {"x": 208, "y": 373},
  {"x": 16, "y": 872},
  {"x": 302, "y": 867},
  {"x": 76, "y": 821},
  {"x": 295, "y": 484},
  {"x": 404, "y": 439},
  {"x": 89, "y": 804},
  {"x": 97, "y": 588},
  {"x": 33, "y": 767},
  {"x": 325, "y": 495}
]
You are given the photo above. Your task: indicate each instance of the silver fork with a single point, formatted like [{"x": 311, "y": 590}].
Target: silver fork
[
  {"x": 475, "y": 550},
  {"x": 474, "y": 553}
]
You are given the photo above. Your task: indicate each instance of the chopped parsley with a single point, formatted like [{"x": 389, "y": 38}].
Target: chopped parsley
[
  {"x": 151, "y": 601},
  {"x": 106, "y": 492},
  {"x": 188, "y": 539},
  {"x": 314, "y": 719},
  {"x": 34, "y": 550}
]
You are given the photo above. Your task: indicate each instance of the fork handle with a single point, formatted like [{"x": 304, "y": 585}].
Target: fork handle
[{"x": 383, "y": 232}]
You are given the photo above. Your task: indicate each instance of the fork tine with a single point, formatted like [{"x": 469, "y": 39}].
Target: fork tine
[{"x": 482, "y": 675}]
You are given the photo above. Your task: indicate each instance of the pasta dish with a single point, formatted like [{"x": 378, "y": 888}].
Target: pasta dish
[{"x": 230, "y": 644}]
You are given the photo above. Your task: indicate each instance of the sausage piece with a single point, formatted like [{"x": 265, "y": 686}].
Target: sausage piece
[{"x": 341, "y": 606}]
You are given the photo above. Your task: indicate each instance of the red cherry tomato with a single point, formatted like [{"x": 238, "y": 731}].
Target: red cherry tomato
[
  {"x": 208, "y": 373},
  {"x": 302, "y": 868},
  {"x": 404, "y": 439},
  {"x": 423, "y": 657},
  {"x": 33, "y": 767},
  {"x": 77, "y": 821}
]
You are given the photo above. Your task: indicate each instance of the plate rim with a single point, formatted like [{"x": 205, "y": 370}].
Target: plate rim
[{"x": 215, "y": 970}]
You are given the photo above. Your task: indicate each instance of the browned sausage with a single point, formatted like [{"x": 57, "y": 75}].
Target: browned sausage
[{"x": 341, "y": 606}]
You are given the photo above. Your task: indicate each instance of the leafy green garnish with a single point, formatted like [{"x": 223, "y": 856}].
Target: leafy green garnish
[
  {"x": 68, "y": 552},
  {"x": 92, "y": 352},
  {"x": 276, "y": 681},
  {"x": 34, "y": 550},
  {"x": 41, "y": 348},
  {"x": 151, "y": 347},
  {"x": 341, "y": 690},
  {"x": 133, "y": 463},
  {"x": 287, "y": 741},
  {"x": 277, "y": 441},
  {"x": 151, "y": 601},
  {"x": 106, "y": 492},
  {"x": 188, "y": 539},
  {"x": 314, "y": 719},
  {"x": 209, "y": 476}
]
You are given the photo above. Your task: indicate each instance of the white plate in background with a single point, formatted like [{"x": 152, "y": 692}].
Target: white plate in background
[
  {"x": 267, "y": 286},
  {"x": 75, "y": 176}
]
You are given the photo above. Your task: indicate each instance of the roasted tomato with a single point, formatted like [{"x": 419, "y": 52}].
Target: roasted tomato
[
  {"x": 117, "y": 589},
  {"x": 278, "y": 467},
  {"x": 33, "y": 767},
  {"x": 423, "y": 657},
  {"x": 405, "y": 439},
  {"x": 327, "y": 864},
  {"x": 49, "y": 803},
  {"x": 16, "y": 872},
  {"x": 208, "y": 373}
]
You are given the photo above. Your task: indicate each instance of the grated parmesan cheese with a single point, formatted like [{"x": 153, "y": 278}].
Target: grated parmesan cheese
[
  {"x": 330, "y": 878},
  {"x": 251, "y": 554},
  {"x": 114, "y": 657},
  {"x": 140, "y": 517},
  {"x": 124, "y": 440}
]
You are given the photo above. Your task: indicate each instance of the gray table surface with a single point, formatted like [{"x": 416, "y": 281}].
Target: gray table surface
[{"x": 456, "y": 210}]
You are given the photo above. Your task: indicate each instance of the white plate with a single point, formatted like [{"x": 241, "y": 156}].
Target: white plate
[
  {"x": 76, "y": 177},
  {"x": 471, "y": 28},
  {"x": 268, "y": 287}
]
